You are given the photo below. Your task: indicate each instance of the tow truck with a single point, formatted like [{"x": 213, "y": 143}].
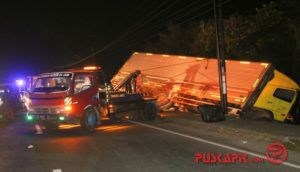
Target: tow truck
[{"x": 84, "y": 96}]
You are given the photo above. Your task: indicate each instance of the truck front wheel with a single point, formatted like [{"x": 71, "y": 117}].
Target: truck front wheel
[{"x": 89, "y": 120}]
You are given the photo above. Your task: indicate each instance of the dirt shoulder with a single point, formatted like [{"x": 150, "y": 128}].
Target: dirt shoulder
[{"x": 289, "y": 134}]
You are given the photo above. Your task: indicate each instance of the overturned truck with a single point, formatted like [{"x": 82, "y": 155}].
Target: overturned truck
[{"x": 255, "y": 90}]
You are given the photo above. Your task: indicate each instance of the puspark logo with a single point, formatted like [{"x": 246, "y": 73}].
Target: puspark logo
[{"x": 277, "y": 150}]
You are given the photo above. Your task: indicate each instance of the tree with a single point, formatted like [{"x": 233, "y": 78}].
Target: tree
[{"x": 269, "y": 36}]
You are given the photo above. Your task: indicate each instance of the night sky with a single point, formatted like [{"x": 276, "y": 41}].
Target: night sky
[{"x": 37, "y": 36}]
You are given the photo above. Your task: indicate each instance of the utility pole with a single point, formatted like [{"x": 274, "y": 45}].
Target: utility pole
[{"x": 220, "y": 54}]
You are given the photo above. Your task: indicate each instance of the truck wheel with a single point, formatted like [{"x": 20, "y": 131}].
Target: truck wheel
[
  {"x": 211, "y": 113},
  {"x": 149, "y": 112},
  {"x": 50, "y": 126},
  {"x": 89, "y": 120}
]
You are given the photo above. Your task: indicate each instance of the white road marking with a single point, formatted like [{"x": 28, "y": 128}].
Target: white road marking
[
  {"x": 38, "y": 129},
  {"x": 212, "y": 143},
  {"x": 56, "y": 170}
]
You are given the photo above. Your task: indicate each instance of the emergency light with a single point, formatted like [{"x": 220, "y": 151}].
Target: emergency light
[
  {"x": 91, "y": 68},
  {"x": 20, "y": 82}
]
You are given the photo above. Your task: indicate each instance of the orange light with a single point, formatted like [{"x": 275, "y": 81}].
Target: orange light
[
  {"x": 245, "y": 62},
  {"x": 215, "y": 96},
  {"x": 68, "y": 108},
  {"x": 255, "y": 83},
  {"x": 91, "y": 68},
  {"x": 110, "y": 106},
  {"x": 191, "y": 91},
  {"x": 200, "y": 58},
  {"x": 182, "y": 57},
  {"x": 177, "y": 88},
  {"x": 148, "y": 54},
  {"x": 265, "y": 64}
]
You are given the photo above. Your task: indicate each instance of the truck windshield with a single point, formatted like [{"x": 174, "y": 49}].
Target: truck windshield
[{"x": 52, "y": 84}]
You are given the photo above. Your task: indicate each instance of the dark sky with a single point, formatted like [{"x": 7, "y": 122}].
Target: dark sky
[{"x": 36, "y": 36}]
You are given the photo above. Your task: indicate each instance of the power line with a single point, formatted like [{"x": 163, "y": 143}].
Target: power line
[
  {"x": 157, "y": 27},
  {"x": 151, "y": 35},
  {"x": 134, "y": 28},
  {"x": 152, "y": 15}
]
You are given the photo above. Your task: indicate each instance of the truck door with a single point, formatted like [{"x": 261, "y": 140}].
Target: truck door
[
  {"x": 84, "y": 91},
  {"x": 283, "y": 101}
]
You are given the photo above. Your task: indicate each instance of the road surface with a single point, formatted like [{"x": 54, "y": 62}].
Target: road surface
[{"x": 124, "y": 146}]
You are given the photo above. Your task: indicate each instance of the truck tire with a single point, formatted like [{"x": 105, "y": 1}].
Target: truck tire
[
  {"x": 211, "y": 113},
  {"x": 257, "y": 114},
  {"x": 149, "y": 112},
  {"x": 89, "y": 120},
  {"x": 50, "y": 126}
]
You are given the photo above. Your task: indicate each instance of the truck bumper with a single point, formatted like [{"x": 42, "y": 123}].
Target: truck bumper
[{"x": 60, "y": 118}]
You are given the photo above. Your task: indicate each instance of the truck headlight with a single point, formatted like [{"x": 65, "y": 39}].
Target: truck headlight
[{"x": 68, "y": 108}]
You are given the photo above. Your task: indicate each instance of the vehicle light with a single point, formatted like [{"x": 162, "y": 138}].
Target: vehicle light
[
  {"x": 243, "y": 62},
  {"x": 91, "y": 68},
  {"x": 20, "y": 82},
  {"x": 111, "y": 108},
  {"x": 255, "y": 82},
  {"x": 61, "y": 118},
  {"x": 29, "y": 117},
  {"x": 68, "y": 108},
  {"x": 265, "y": 64}
]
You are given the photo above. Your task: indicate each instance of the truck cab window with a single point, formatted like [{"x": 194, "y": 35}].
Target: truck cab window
[
  {"x": 283, "y": 94},
  {"x": 83, "y": 82}
]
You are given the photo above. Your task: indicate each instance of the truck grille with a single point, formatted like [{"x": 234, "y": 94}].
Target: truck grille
[{"x": 45, "y": 110}]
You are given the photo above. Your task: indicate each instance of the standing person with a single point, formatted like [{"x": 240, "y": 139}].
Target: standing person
[{"x": 8, "y": 106}]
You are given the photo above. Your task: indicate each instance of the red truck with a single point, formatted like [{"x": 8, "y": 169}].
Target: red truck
[{"x": 83, "y": 96}]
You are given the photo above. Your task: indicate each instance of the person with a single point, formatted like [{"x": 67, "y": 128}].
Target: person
[
  {"x": 7, "y": 107},
  {"x": 81, "y": 86}
]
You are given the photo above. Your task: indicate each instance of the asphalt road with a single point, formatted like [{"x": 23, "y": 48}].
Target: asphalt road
[{"x": 122, "y": 146}]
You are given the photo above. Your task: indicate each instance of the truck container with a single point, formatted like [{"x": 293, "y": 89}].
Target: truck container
[{"x": 255, "y": 90}]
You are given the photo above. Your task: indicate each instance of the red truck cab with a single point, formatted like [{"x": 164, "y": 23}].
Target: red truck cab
[{"x": 66, "y": 97}]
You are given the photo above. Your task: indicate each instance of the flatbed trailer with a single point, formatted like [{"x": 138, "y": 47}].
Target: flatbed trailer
[{"x": 254, "y": 89}]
